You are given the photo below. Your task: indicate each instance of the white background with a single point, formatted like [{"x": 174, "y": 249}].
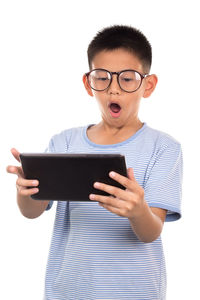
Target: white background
[{"x": 42, "y": 60}]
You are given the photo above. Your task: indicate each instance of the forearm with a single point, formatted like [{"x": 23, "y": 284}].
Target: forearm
[
  {"x": 31, "y": 208},
  {"x": 147, "y": 226}
]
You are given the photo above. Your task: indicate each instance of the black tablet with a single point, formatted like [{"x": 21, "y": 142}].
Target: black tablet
[{"x": 71, "y": 176}]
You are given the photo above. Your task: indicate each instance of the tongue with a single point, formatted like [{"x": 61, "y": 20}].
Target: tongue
[{"x": 115, "y": 107}]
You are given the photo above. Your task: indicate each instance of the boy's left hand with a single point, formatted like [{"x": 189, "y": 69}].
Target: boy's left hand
[{"x": 128, "y": 203}]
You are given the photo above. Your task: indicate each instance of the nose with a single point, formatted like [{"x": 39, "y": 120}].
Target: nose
[{"x": 114, "y": 87}]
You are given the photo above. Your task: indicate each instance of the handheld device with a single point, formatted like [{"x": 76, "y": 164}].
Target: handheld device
[{"x": 71, "y": 176}]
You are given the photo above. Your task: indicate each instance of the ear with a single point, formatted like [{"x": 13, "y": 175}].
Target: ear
[
  {"x": 151, "y": 82},
  {"x": 87, "y": 87}
]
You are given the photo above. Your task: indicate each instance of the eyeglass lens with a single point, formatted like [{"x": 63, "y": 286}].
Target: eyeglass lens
[{"x": 128, "y": 80}]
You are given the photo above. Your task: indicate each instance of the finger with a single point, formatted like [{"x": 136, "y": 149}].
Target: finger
[
  {"x": 28, "y": 192},
  {"x": 15, "y": 170},
  {"x": 16, "y": 154},
  {"x": 130, "y": 174},
  {"x": 126, "y": 182},
  {"x": 112, "y": 190},
  {"x": 107, "y": 200},
  {"x": 112, "y": 209},
  {"x": 27, "y": 183}
]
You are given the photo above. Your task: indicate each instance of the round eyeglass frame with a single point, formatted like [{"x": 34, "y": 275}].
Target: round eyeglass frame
[{"x": 118, "y": 74}]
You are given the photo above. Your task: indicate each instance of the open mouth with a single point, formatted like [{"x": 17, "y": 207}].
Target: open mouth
[{"x": 115, "y": 109}]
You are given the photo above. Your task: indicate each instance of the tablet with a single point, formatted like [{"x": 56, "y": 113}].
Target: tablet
[{"x": 71, "y": 176}]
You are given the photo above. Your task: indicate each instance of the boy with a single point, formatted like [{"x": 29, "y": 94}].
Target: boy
[{"x": 113, "y": 250}]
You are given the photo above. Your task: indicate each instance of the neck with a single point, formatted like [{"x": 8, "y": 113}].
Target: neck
[{"x": 115, "y": 129}]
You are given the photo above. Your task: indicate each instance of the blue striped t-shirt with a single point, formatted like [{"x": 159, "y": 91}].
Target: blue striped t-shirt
[{"x": 94, "y": 253}]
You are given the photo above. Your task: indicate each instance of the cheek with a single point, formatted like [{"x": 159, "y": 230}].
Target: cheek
[
  {"x": 99, "y": 96},
  {"x": 133, "y": 104},
  {"x": 134, "y": 101}
]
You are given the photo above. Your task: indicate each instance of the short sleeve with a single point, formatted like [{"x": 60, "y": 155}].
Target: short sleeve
[{"x": 163, "y": 188}]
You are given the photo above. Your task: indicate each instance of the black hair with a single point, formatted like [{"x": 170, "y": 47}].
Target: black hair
[{"x": 125, "y": 37}]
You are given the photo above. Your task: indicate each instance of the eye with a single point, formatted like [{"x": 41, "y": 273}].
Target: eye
[
  {"x": 99, "y": 75},
  {"x": 102, "y": 78},
  {"x": 126, "y": 79},
  {"x": 129, "y": 77}
]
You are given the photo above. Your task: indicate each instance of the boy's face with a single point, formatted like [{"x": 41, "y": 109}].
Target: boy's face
[{"x": 119, "y": 108}]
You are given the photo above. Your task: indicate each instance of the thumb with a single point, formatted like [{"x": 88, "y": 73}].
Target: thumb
[
  {"x": 16, "y": 154},
  {"x": 130, "y": 174}
]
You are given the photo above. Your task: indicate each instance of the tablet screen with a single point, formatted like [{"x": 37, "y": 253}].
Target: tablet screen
[{"x": 71, "y": 176}]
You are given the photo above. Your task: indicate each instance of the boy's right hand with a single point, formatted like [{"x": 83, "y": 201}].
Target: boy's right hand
[{"x": 24, "y": 186}]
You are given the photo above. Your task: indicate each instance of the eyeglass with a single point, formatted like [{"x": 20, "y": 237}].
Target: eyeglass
[{"x": 128, "y": 80}]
